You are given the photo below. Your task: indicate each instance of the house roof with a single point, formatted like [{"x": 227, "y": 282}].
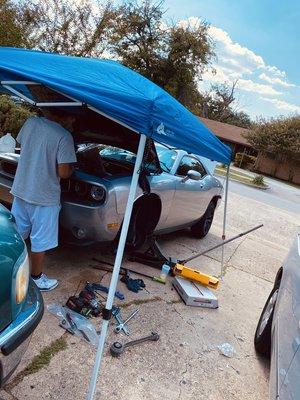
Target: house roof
[{"x": 230, "y": 133}]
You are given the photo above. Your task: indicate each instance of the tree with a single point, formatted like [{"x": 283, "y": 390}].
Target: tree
[
  {"x": 71, "y": 27},
  {"x": 14, "y": 27},
  {"x": 174, "y": 56},
  {"x": 277, "y": 136},
  {"x": 218, "y": 103},
  {"x": 12, "y": 116}
]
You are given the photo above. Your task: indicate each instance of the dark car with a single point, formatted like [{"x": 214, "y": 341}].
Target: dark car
[
  {"x": 21, "y": 304},
  {"x": 278, "y": 331}
]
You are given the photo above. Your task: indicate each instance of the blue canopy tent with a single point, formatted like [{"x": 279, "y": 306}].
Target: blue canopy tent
[{"x": 121, "y": 95}]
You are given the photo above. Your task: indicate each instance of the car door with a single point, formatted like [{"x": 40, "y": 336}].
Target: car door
[
  {"x": 190, "y": 198},
  {"x": 286, "y": 332}
]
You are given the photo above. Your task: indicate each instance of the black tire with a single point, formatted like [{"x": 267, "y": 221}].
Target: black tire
[
  {"x": 137, "y": 232},
  {"x": 262, "y": 337},
  {"x": 202, "y": 227}
]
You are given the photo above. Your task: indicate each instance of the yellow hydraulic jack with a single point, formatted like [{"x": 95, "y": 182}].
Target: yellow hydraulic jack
[{"x": 156, "y": 258}]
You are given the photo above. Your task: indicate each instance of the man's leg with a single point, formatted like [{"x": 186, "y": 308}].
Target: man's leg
[
  {"x": 20, "y": 213},
  {"x": 37, "y": 261},
  {"x": 43, "y": 237}
]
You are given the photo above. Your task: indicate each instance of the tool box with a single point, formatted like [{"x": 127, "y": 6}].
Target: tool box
[{"x": 194, "y": 294}]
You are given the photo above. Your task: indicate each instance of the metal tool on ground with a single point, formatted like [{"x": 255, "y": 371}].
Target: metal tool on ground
[
  {"x": 155, "y": 257},
  {"x": 117, "y": 314},
  {"x": 117, "y": 348},
  {"x": 70, "y": 325},
  {"x": 120, "y": 327},
  {"x": 85, "y": 304},
  {"x": 124, "y": 271},
  {"x": 220, "y": 244}
]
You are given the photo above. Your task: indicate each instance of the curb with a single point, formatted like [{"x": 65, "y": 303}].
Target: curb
[{"x": 266, "y": 187}]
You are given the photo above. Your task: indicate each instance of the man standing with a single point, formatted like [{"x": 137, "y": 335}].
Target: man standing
[{"x": 47, "y": 152}]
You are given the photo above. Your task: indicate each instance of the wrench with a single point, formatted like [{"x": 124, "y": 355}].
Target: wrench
[
  {"x": 117, "y": 348},
  {"x": 117, "y": 314},
  {"x": 123, "y": 324}
]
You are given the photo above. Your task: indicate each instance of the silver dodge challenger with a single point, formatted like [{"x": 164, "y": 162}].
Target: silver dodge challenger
[{"x": 176, "y": 191}]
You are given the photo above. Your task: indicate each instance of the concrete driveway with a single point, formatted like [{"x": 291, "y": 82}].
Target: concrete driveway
[{"x": 185, "y": 363}]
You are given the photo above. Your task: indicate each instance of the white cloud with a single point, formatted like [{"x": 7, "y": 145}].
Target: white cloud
[
  {"x": 283, "y": 105},
  {"x": 254, "y": 75},
  {"x": 251, "y": 86},
  {"x": 243, "y": 56},
  {"x": 275, "y": 80},
  {"x": 275, "y": 71},
  {"x": 222, "y": 75},
  {"x": 193, "y": 22}
]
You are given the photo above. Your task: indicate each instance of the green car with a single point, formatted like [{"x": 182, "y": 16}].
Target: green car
[{"x": 21, "y": 304}]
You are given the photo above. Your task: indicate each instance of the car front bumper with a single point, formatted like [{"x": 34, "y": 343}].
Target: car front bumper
[
  {"x": 90, "y": 223},
  {"x": 14, "y": 339}
]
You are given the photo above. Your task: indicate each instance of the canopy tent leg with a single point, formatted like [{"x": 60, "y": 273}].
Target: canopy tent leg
[
  {"x": 225, "y": 216},
  {"x": 117, "y": 266}
]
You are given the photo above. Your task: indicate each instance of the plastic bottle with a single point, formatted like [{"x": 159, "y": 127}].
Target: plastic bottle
[
  {"x": 7, "y": 144},
  {"x": 164, "y": 272}
]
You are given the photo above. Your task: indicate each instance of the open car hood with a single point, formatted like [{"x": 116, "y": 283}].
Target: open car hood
[{"x": 91, "y": 127}]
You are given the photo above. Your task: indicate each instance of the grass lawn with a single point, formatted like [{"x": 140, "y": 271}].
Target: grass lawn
[{"x": 236, "y": 176}]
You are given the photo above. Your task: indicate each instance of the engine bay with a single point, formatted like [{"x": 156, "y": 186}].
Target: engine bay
[{"x": 103, "y": 160}]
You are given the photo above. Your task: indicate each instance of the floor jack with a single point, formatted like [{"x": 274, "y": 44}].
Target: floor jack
[{"x": 155, "y": 257}]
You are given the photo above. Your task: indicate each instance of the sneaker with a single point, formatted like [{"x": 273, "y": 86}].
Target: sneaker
[{"x": 45, "y": 284}]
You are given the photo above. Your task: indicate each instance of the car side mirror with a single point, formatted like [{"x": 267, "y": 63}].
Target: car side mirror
[{"x": 193, "y": 175}]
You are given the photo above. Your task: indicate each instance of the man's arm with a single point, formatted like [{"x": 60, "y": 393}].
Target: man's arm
[
  {"x": 66, "y": 157},
  {"x": 65, "y": 170}
]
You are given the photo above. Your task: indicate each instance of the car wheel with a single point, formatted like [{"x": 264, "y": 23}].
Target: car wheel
[
  {"x": 137, "y": 232},
  {"x": 262, "y": 338},
  {"x": 201, "y": 228}
]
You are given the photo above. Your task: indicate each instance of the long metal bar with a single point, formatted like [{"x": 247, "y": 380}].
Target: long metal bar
[
  {"x": 19, "y": 83},
  {"x": 43, "y": 104},
  {"x": 117, "y": 265},
  {"x": 225, "y": 215},
  {"x": 17, "y": 93},
  {"x": 60, "y": 104},
  {"x": 220, "y": 244}
]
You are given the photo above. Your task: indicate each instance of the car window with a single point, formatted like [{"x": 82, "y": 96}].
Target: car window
[
  {"x": 190, "y": 163},
  {"x": 166, "y": 157}
]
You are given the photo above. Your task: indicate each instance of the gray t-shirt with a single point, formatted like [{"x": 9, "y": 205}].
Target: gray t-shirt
[{"x": 44, "y": 144}]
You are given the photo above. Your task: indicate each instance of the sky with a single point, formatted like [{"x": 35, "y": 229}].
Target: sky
[{"x": 257, "y": 42}]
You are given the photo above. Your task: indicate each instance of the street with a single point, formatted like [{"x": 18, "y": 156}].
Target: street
[
  {"x": 185, "y": 363},
  {"x": 279, "y": 194}
]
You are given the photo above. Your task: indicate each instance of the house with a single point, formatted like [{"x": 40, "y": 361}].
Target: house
[
  {"x": 267, "y": 164},
  {"x": 231, "y": 135}
]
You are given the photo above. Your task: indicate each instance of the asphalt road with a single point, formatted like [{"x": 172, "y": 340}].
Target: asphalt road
[{"x": 278, "y": 195}]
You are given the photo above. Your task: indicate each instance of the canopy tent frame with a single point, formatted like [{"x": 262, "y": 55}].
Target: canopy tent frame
[
  {"x": 225, "y": 216},
  {"x": 127, "y": 216}
]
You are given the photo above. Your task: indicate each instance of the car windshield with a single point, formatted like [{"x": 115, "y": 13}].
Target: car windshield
[
  {"x": 166, "y": 157},
  {"x": 117, "y": 154}
]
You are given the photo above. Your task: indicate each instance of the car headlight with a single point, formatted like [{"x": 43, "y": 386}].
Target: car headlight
[
  {"x": 98, "y": 193},
  {"x": 80, "y": 188},
  {"x": 22, "y": 281}
]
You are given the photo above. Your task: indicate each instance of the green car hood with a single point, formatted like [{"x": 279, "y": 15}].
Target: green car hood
[{"x": 11, "y": 248}]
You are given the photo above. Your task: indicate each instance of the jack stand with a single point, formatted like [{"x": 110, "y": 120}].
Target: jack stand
[{"x": 153, "y": 256}]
